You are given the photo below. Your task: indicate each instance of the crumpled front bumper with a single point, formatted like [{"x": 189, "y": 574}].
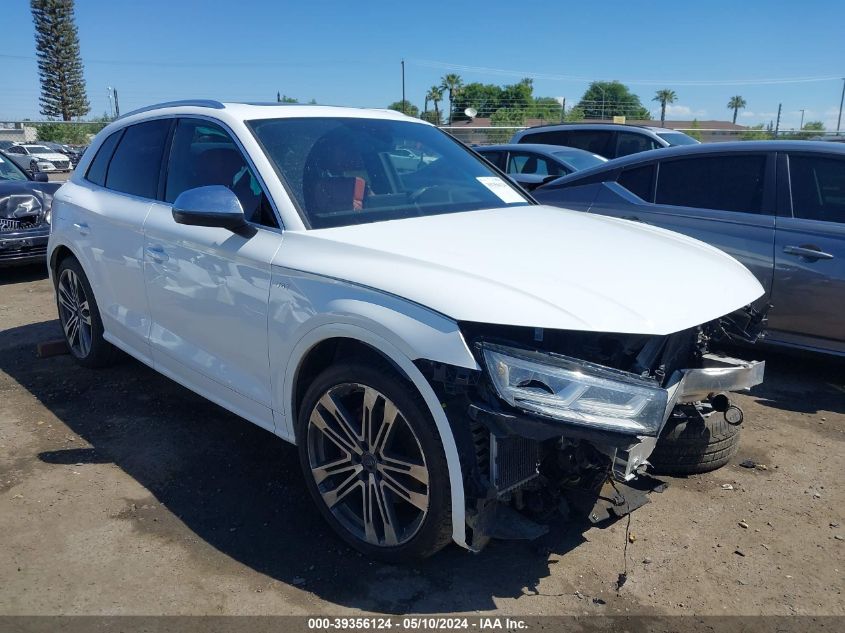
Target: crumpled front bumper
[{"x": 720, "y": 374}]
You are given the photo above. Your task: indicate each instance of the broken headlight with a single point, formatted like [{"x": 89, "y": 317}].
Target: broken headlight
[{"x": 576, "y": 391}]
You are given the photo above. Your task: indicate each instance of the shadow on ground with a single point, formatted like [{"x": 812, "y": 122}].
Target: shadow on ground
[
  {"x": 800, "y": 382},
  {"x": 22, "y": 274},
  {"x": 240, "y": 490}
]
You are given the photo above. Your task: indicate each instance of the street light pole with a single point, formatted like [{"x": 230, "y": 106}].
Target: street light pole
[
  {"x": 841, "y": 99},
  {"x": 801, "y": 126},
  {"x": 403, "y": 87}
]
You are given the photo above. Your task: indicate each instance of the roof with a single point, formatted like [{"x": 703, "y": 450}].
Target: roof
[
  {"x": 652, "y": 125},
  {"x": 710, "y": 148},
  {"x": 540, "y": 148},
  {"x": 252, "y": 111}
]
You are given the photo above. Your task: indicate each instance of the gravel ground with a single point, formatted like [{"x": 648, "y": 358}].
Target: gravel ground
[{"x": 123, "y": 493}]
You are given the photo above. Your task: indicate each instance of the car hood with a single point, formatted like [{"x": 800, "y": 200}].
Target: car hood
[
  {"x": 52, "y": 156},
  {"x": 25, "y": 200},
  {"x": 534, "y": 266}
]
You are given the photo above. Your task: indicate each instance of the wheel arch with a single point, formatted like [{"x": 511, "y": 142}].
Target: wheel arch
[{"x": 320, "y": 347}]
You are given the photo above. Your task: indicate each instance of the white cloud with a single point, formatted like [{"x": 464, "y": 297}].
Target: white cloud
[
  {"x": 748, "y": 114},
  {"x": 682, "y": 111}
]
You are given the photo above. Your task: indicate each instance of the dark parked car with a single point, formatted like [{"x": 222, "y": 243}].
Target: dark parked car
[
  {"x": 25, "y": 204},
  {"x": 777, "y": 206},
  {"x": 610, "y": 140},
  {"x": 532, "y": 165}
]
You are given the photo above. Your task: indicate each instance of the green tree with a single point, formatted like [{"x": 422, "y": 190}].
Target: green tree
[
  {"x": 435, "y": 95},
  {"x": 545, "y": 108},
  {"x": 59, "y": 61},
  {"x": 665, "y": 97},
  {"x": 756, "y": 133},
  {"x": 280, "y": 98},
  {"x": 405, "y": 106},
  {"x": 518, "y": 96},
  {"x": 71, "y": 133},
  {"x": 606, "y": 99},
  {"x": 810, "y": 130},
  {"x": 575, "y": 114},
  {"x": 506, "y": 118},
  {"x": 453, "y": 84},
  {"x": 693, "y": 132},
  {"x": 484, "y": 98},
  {"x": 736, "y": 104}
]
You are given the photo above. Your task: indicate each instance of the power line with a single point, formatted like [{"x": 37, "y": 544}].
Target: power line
[{"x": 645, "y": 82}]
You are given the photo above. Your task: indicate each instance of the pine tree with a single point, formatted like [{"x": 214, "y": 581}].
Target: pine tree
[{"x": 59, "y": 62}]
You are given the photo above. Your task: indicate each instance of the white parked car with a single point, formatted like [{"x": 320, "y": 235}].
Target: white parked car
[
  {"x": 450, "y": 358},
  {"x": 35, "y": 158}
]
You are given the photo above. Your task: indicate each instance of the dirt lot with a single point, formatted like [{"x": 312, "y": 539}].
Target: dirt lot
[{"x": 121, "y": 492}]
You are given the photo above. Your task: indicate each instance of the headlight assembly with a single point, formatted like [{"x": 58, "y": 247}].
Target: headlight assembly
[{"x": 576, "y": 391}]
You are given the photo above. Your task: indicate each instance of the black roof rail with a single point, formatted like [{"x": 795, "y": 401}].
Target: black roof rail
[
  {"x": 199, "y": 103},
  {"x": 576, "y": 123}
]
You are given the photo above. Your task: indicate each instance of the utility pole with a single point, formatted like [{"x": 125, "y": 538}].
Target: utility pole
[
  {"x": 777, "y": 125},
  {"x": 801, "y": 126},
  {"x": 562, "y": 108},
  {"x": 116, "y": 103},
  {"x": 841, "y": 99},
  {"x": 403, "y": 87},
  {"x": 111, "y": 102}
]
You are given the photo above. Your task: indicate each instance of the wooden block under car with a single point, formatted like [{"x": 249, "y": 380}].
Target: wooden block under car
[{"x": 52, "y": 348}]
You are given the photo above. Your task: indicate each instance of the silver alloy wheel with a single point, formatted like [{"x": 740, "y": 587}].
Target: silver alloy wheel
[
  {"x": 368, "y": 465},
  {"x": 75, "y": 313}
]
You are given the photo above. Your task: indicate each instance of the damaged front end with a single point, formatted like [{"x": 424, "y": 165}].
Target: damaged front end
[
  {"x": 563, "y": 420},
  {"x": 24, "y": 222}
]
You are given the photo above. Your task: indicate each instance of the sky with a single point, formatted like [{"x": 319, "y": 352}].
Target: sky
[{"x": 349, "y": 53}]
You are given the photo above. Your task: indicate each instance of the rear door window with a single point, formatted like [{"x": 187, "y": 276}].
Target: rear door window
[
  {"x": 639, "y": 181},
  {"x": 818, "y": 187},
  {"x": 529, "y": 163},
  {"x": 633, "y": 143},
  {"x": 495, "y": 157},
  {"x": 136, "y": 164},
  {"x": 729, "y": 183}
]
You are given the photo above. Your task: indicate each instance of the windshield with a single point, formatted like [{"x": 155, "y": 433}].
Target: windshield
[
  {"x": 39, "y": 149},
  {"x": 9, "y": 171},
  {"x": 580, "y": 160},
  {"x": 677, "y": 138},
  {"x": 343, "y": 171}
]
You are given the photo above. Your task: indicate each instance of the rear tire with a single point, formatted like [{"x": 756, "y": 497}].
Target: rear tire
[
  {"x": 380, "y": 479},
  {"x": 690, "y": 446},
  {"x": 79, "y": 316}
]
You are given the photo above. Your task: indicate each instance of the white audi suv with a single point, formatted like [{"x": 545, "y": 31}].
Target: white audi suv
[{"x": 452, "y": 360}]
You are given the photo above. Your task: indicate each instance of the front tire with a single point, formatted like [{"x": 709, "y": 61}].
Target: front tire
[
  {"x": 373, "y": 462},
  {"x": 691, "y": 446},
  {"x": 79, "y": 316}
]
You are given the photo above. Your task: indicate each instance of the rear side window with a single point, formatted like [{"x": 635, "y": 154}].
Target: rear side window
[
  {"x": 639, "y": 181},
  {"x": 99, "y": 166},
  {"x": 593, "y": 141},
  {"x": 632, "y": 143},
  {"x": 728, "y": 183},
  {"x": 520, "y": 163},
  {"x": 495, "y": 157},
  {"x": 818, "y": 188},
  {"x": 136, "y": 164}
]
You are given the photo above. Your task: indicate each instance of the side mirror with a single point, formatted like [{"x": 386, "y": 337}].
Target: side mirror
[
  {"x": 214, "y": 205},
  {"x": 40, "y": 176}
]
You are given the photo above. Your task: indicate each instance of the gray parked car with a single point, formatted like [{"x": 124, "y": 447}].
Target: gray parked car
[
  {"x": 610, "y": 140},
  {"x": 777, "y": 206},
  {"x": 531, "y": 165}
]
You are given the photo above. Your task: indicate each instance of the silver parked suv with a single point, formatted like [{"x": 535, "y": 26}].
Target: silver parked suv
[{"x": 610, "y": 140}]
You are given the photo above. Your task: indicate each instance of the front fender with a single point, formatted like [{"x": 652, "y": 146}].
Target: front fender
[{"x": 306, "y": 310}]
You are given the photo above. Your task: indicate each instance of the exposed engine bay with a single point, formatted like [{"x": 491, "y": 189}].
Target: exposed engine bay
[{"x": 564, "y": 420}]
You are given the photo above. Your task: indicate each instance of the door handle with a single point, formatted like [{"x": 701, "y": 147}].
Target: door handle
[
  {"x": 157, "y": 254},
  {"x": 810, "y": 252},
  {"x": 81, "y": 227}
]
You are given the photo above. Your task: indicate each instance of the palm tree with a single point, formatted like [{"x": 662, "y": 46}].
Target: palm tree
[
  {"x": 435, "y": 95},
  {"x": 665, "y": 97},
  {"x": 453, "y": 84},
  {"x": 735, "y": 104}
]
